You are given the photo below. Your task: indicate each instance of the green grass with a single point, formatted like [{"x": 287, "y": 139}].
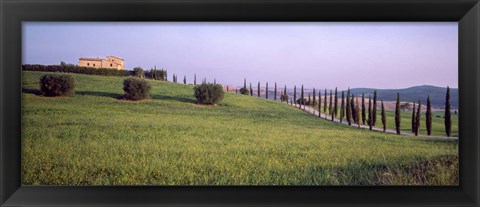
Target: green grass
[{"x": 94, "y": 138}]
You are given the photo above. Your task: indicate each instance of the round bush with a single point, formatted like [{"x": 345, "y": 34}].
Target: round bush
[
  {"x": 138, "y": 72},
  {"x": 57, "y": 85},
  {"x": 244, "y": 91},
  {"x": 136, "y": 89},
  {"x": 208, "y": 93},
  {"x": 284, "y": 97}
]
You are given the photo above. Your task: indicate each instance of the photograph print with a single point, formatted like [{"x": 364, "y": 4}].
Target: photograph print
[{"x": 240, "y": 104}]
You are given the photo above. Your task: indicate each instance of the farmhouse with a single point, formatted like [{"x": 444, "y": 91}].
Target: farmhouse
[{"x": 111, "y": 62}]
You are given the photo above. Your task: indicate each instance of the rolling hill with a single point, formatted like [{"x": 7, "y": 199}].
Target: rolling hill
[{"x": 95, "y": 138}]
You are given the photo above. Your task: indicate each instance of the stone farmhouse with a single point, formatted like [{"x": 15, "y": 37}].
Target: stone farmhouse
[{"x": 111, "y": 62}]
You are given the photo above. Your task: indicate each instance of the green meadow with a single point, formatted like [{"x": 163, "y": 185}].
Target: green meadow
[{"x": 95, "y": 138}]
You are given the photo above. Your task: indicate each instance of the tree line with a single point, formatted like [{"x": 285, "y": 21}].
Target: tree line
[{"x": 354, "y": 110}]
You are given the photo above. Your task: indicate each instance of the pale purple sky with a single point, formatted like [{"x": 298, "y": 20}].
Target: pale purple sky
[{"x": 317, "y": 54}]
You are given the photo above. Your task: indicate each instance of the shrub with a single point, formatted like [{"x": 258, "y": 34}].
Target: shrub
[
  {"x": 208, "y": 93},
  {"x": 244, "y": 91},
  {"x": 284, "y": 97},
  {"x": 57, "y": 85},
  {"x": 136, "y": 89},
  {"x": 138, "y": 72}
]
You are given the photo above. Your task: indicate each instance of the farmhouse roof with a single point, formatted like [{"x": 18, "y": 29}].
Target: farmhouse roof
[
  {"x": 115, "y": 57},
  {"x": 85, "y": 58}
]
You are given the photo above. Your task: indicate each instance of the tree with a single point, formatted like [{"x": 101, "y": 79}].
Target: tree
[
  {"x": 236, "y": 90},
  {"x": 302, "y": 98},
  {"x": 384, "y": 119},
  {"x": 428, "y": 114},
  {"x": 244, "y": 83},
  {"x": 319, "y": 103},
  {"x": 330, "y": 107},
  {"x": 335, "y": 104},
  {"x": 138, "y": 72},
  {"x": 309, "y": 100},
  {"x": 417, "y": 118},
  {"x": 184, "y": 79},
  {"x": 251, "y": 90},
  {"x": 374, "y": 109},
  {"x": 348, "y": 110},
  {"x": 266, "y": 90},
  {"x": 357, "y": 116},
  {"x": 284, "y": 96},
  {"x": 370, "y": 113},
  {"x": 352, "y": 106},
  {"x": 295, "y": 93},
  {"x": 325, "y": 104},
  {"x": 314, "y": 97},
  {"x": 194, "y": 79},
  {"x": 448, "y": 121},
  {"x": 275, "y": 92},
  {"x": 342, "y": 107},
  {"x": 363, "y": 109},
  {"x": 397, "y": 114},
  {"x": 414, "y": 119},
  {"x": 258, "y": 89},
  {"x": 214, "y": 81}
]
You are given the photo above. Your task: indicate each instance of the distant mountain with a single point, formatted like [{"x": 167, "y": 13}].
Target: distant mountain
[{"x": 413, "y": 94}]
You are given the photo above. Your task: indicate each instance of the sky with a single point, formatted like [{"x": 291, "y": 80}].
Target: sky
[{"x": 384, "y": 55}]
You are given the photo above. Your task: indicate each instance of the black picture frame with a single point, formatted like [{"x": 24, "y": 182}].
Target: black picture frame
[{"x": 14, "y": 12}]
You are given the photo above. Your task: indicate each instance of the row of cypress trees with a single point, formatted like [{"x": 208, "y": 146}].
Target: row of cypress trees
[{"x": 353, "y": 112}]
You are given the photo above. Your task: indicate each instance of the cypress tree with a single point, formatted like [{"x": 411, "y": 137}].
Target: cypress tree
[
  {"x": 319, "y": 103},
  {"x": 417, "y": 118},
  {"x": 342, "y": 107},
  {"x": 325, "y": 104},
  {"x": 370, "y": 114},
  {"x": 266, "y": 90},
  {"x": 275, "y": 92},
  {"x": 302, "y": 97},
  {"x": 236, "y": 90},
  {"x": 314, "y": 97},
  {"x": 352, "y": 105},
  {"x": 349, "y": 112},
  {"x": 428, "y": 121},
  {"x": 309, "y": 100},
  {"x": 258, "y": 89},
  {"x": 330, "y": 107},
  {"x": 195, "y": 79},
  {"x": 251, "y": 91},
  {"x": 185, "y": 79},
  {"x": 245, "y": 83},
  {"x": 285, "y": 92},
  {"x": 397, "y": 114},
  {"x": 374, "y": 109},
  {"x": 335, "y": 104},
  {"x": 384, "y": 119},
  {"x": 448, "y": 121},
  {"x": 214, "y": 81},
  {"x": 414, "y": 119},
  {"x": 227, "y": 88},
  {"x": 357, "y": 115},
  {"x": 363, "y": 109},
  {"x": 295, "y": 94}
]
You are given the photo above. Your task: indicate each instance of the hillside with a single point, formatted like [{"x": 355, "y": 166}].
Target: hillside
[
  {"x": 94, "y": 138},
  {"x": 413, "y": 94}
]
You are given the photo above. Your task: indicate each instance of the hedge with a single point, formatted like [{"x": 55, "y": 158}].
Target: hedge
[{"x": 77, "y": 69}]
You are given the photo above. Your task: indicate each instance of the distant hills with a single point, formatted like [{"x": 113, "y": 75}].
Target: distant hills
[{"x": 413, "y": 94}]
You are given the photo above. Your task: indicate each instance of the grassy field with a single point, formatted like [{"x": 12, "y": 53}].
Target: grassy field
[{"x": 94, "y": 138}]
